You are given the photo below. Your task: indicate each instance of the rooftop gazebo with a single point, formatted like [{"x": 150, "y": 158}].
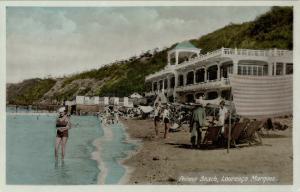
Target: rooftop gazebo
[{"x": 182, "y": 52}]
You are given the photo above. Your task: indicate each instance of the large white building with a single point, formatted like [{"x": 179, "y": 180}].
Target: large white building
[{"x": 190, "y": 74}]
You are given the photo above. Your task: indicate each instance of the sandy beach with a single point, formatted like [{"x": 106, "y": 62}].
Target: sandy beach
[{"x": 172, "y": 161}]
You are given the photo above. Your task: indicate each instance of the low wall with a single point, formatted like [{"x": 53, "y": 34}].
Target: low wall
[{"x": 80, "y": 108}]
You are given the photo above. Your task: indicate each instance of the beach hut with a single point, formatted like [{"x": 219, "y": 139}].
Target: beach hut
[
  {"x": 79, "y": 100},
  {"x": 135, "y": 96}
]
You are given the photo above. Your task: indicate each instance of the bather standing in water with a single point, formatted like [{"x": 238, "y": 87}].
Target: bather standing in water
[{"x": 62, "y": 125}]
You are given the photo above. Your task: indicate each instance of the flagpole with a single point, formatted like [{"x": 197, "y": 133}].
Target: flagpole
[{"x": 229, "y": 127}]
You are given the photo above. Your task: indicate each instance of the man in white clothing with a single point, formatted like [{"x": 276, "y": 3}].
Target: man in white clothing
[{"x": 223, "y": 114}]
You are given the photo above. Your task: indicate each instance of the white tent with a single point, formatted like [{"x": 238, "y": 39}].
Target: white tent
[
  {"x": 146, "y": 109},
  {"x": 212, "y": 101},
  {"x": 136, "y": 95},
  {"x": 161, "y": 98}
]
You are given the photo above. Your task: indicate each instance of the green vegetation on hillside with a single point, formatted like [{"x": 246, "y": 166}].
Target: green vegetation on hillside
[
  {"x": 28, "y": 91},
  {"x": 273, "y": 29}
]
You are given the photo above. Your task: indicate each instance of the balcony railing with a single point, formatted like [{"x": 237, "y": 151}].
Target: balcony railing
[
  {"x": 226, "y": 52},
  {"x": 257, "y": 53},
  {"x": 224, "y": 82}
]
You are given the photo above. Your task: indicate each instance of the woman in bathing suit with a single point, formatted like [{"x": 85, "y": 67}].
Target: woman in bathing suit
[{"x": 62, "y": 132}]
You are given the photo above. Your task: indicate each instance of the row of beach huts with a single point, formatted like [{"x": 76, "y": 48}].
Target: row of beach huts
[{"x": 85, "y": 104}]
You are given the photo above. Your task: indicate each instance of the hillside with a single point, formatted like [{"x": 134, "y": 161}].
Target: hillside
[{"x": 270, "y": 30}]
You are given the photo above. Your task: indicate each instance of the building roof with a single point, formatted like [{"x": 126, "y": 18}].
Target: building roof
[{"x": 185, "y": 45}]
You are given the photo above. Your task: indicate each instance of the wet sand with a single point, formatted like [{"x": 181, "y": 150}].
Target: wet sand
[{"x": 172, "y": 161}]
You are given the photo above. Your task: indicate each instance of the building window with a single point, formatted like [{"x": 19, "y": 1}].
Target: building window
[
  {"x": 240, "y": 70},
  {"x": 289, "y": 68},
  {"x": 279, "y": 68},
  {"x": 256, "y": 70},
  {"x": 212, "y": 95}
]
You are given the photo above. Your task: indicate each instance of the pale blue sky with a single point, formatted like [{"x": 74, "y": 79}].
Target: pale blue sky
[{"x": 59, "y": 41}]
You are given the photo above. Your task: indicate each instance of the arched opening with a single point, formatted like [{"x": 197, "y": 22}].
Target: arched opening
[
  {"x": 160, "y": 84},
  {"x": 172, "y": 58},
  {"x": 172, "y": 82},
  {"x": 212, "y": 95},
  {"x": 225, "y": 69},
  {"x": 225, "y": 94},
  {"x": 189, "y": 98},
  {"x": 190, "y": 78},
  {"x": 212, "y": 73},
  {"x": 200, "y": 75},
  {"x": 200, "y": 94},
  {"x": 148, "y": 86},
  {"x": 180, "y": 80},
  {"x": 155, "y": 88},
  {"x": 166, "y": 83}
]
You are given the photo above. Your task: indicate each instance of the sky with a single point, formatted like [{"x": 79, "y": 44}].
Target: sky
[{"x": 58, "y": 41}]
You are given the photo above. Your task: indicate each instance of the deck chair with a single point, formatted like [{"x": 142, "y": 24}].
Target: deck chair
[
  {"x": 252, "y": 130},
  {"x": 212, "y": 134},
  {"x": 236, "y": 131}
]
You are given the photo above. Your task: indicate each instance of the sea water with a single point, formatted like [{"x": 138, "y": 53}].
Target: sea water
[
  {"x": 30, "y": 141},
  {"x": 113, "y": 150}
]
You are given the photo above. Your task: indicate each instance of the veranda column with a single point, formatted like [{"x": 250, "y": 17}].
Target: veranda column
[
  {"x": 184, "y": 79},
  {"x": 275, "y": 66},
  {"x": 284, "y": 69},
  {"x": 175, "y": 86},
  {"x": 163, "y": 87},
  {"x": 235, "y": 67},
  {"x": 205, "y": 75},
  {"x": 152, "y": 86},
  {"x": 176, "y": 57},
  {"x": 169, "y": 82},
  {"x": 218, "y": 72},
  {"x": 194, "y": 77},
  {"x": 270, "y": 69}
]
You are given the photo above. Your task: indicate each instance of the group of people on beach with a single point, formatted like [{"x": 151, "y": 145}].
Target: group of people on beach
[
  {"x": 197, "y": 120},
  {"x": 111, "y": 115},
  {"x": 161, "y": 112}
]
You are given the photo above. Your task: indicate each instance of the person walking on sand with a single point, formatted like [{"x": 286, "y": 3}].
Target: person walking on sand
[
  {"x": 156, "y": 117},
  {"x": 196, "y": 124},
  {"x": 166, "y": 119},
  {"x": 62, "y": 132}
]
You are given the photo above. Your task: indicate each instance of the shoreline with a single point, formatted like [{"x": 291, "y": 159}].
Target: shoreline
[
  {"x": 139, "y": 145},
  {"x": 96, "y": 155}
]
